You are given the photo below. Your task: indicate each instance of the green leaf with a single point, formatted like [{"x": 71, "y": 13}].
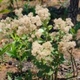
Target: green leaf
[
  {"x": 72, "y": 30},
  {"x": 40, "y": 74},
  {"x": 5, "y": 11},
  {"x": 9, "y": 78},
  {"x": 18, "y": 78},
  {"x": 24, "y": 55},
  {"x": 50, "y": 27},
  {"x": 12, "y": 50},
  {"x": 50, "y": 73},
  {"x": 4, "y": 49}
]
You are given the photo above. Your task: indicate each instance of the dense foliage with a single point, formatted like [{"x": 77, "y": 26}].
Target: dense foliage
[{"x": 29, "y": 38}]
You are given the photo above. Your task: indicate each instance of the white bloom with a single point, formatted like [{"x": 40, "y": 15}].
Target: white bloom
[
  {"x": 22, "y": 30},
  {"x": 33, "y": 20},
  {"x": 25, "y": 20},
  {"x": 66, "y": 29},
  {"x": 43, "y": 13},
  {"x": 47, "y": 45},
  {"x": 41, "y": 51},
  {"x": 39, "y": 33},
  {"x": 38, "y": 7},
  {"x": 32, "y": 27},
  {"x": 30, "y": 14},
  {"x": 18, "y": 12},
  {"x": 45, "y": 53},
  {"x": 36, "y": 48},
  {"x": 32, "y": 36},
  {"x": 60, "y": 24},
  {"x": 69, "y": 22},
  {"x": 8, "y": 19},
  {"x": 38, "y": 21},
  {"x": 67, "y": 37},
  {"x": 63, "y": 47}
]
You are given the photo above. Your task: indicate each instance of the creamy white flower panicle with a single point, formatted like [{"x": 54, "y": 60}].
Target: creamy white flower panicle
[
  {"x": 32, "y": 36},
  {"x": 14, "y": 24},
  {"x": 64, "y": 46},
  {"x": 67, "y": 37},
  {"x": 8, "y": 19},
  {"x": 22, "y": 30},
  {"x": 36, "y": 48},
  {"x": 32, "y": 27},
  {"x": 25, "y": 24},
  {"x": 30, "y": 14},
  {"x": 60, "y": 24},
  {"x": 47, "y": 45},
  {"x": 18, "y": 12},
  {"x": 25, "y": 21},
  {"x": 20, "y": 26},
  {"x": 43, "y": 13},
  {"x": 38, "y": 7},
  {"x": 38, "y": 33},
  {"x": 69, "y": 22},
  {"x": 36, "y": 20},
  {"x": 41, "y": 51}
]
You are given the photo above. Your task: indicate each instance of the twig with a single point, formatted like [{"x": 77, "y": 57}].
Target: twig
[
  {"x": 73, "y": 65},
  {"x": 55, "y": 74}
]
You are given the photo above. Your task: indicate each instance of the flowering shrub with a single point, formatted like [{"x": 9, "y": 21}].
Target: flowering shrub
[{"x": 30, "y": 37}]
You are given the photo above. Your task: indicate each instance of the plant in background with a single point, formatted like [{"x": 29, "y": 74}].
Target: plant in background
[{"x": 32, "y": 41}]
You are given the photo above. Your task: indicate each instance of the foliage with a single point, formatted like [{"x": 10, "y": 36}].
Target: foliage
[{"x": 32, "y": 41}]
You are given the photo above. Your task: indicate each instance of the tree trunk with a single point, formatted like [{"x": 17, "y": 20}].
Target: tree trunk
[{"x": 73, "y": 10}]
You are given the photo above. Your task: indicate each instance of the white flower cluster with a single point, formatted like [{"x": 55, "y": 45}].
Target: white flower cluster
[
  {"x": 4, "y": 25},
  {"x": 66, "y": 42},
  {"x": 42, "y": 51},
  {"x": 64, "y": 47},
  {"x": 31, "y": 26},
  {"x": 65, "y": 26},
  {"x": 23, "y": 25},
  {"x": 18, "y": 12},
  {"x": 67, "y": 37},
  {"x": 38, "y": 33},
  {"x": 42, "y": 12},
  {"x": 28, "y": 23}
]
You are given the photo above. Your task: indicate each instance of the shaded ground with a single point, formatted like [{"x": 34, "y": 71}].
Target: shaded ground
[{"x": 65, "y": 69}]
